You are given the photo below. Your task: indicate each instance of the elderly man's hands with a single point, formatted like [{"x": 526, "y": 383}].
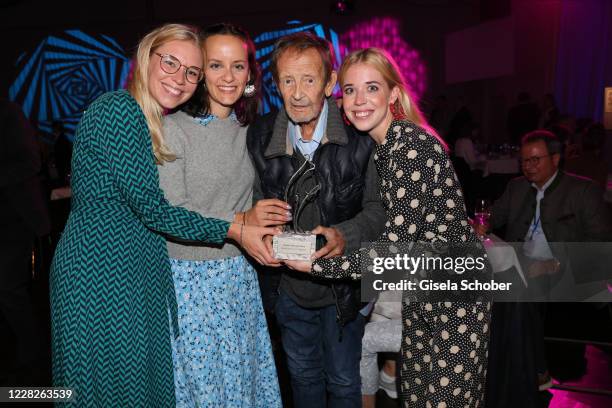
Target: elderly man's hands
[{"x": 335, "y": 242}]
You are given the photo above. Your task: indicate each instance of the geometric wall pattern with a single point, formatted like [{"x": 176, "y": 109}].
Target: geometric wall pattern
[
  {"x": 265, "y": 45},
  {"x": 64, "y": 74},
  {"x": 67, "y": 71}
]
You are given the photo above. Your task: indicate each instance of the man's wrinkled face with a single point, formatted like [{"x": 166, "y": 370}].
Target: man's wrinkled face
[{"x": 301, "y": 81}]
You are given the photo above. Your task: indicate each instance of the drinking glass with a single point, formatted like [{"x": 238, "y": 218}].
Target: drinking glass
[{"x": 482, "y": 213}]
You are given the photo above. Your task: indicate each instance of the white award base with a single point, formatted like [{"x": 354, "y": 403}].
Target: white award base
[{"x": 293, "y": 246}]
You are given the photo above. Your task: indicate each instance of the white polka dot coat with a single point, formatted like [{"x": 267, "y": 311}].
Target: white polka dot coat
[{"x": 444, "y": 348}]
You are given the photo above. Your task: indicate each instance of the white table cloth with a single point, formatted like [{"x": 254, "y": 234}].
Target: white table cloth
[
  {"x": 509, "y": 165},
  {"x": 502, "y": 256}
]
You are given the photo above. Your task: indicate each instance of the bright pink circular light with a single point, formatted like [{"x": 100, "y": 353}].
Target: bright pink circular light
[{"x": 385, "y": 33}]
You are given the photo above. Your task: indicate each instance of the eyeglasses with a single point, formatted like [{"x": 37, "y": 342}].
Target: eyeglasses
[
  {"x": 170, "y": 65},
  {"x": 532, "y": 161}
]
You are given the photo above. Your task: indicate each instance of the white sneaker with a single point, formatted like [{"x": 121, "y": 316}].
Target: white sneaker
[{"x": 387, "y": 384}]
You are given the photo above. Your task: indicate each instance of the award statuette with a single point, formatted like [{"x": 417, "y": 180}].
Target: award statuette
[{"x": 295, "y": 244}]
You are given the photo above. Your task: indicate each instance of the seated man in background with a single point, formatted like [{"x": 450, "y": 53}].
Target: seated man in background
[
  {"x": 544, "y": 206},
  {"x": 547, "y": 204}
]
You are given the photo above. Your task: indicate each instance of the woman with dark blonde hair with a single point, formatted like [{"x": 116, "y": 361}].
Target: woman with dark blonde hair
[
  {"x": 112, "y": 297},
  {"x": 223, "y": 355},
  {"x": 444, "y": 345}
]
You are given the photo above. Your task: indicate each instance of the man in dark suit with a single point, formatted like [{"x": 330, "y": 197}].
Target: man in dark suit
[
  {"x": 548, "y": 205},
  {"x": 544, "y": 207},
  {"x": 23, "y": 217}
]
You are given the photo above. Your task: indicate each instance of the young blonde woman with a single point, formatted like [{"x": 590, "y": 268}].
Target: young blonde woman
[
  {"x": 223, "y": 356},
  {"x": 111, "y": 285},
  {"x": 444, "y": 346}
]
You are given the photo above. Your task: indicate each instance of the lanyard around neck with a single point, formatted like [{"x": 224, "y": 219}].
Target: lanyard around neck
[
  {"x": 536, "y": 221},
  {"x": 535, "y": 227}
]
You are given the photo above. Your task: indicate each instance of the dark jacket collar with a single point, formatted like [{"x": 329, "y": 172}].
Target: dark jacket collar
[
  {"x": 555, "y": 183},
  {"x": 334, "y": 132}
]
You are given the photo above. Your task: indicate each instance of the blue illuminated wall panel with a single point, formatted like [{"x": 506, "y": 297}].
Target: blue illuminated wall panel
[
  {"x": 265, "y": 45},
  {"x": 64, "y": 74}
]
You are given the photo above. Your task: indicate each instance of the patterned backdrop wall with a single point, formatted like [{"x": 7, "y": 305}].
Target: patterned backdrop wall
[
  {"x": 385, "y": 33},
  {"x": 265, "y": 45},
  {"x": 382, "y": 32},
  {"x": 67, "y": 71},
  {"x": 64, "y": 74}
]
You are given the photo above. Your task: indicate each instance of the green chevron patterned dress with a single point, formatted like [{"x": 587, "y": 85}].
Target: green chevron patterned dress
[{"x": 112, "y": 298}]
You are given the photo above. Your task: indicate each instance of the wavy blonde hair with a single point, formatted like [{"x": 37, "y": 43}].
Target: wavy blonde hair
[
  {"x": 405, "y": 107},
  {"x": 139, "y": 84}
]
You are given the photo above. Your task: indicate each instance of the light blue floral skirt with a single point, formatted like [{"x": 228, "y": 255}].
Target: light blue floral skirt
[{"x": 222, "y": 357}]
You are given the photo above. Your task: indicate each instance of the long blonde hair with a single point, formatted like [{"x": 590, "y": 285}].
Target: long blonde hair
[
  {"x": 405, "y": 107},
  {"x": 139, "y": 84}
]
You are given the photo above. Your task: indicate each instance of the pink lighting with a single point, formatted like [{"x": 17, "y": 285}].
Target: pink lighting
[
  {"x": 385, "y": 33},
  {"x": 598, "y": 376}
]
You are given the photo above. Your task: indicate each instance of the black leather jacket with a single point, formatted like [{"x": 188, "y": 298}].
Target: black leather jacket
[{"x": 341, "y": 163}]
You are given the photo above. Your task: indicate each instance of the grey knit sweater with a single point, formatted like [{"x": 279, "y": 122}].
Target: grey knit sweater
[{"x": 213, "y": 175}]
